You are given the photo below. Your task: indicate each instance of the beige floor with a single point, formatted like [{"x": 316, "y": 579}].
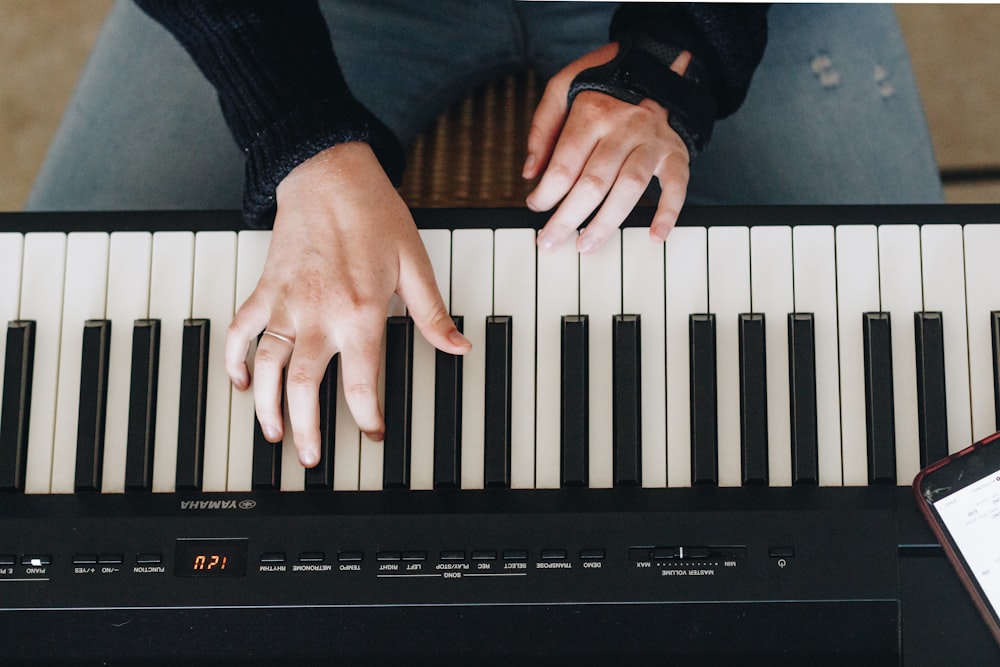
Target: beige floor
[{"x": 43, "y": 44}]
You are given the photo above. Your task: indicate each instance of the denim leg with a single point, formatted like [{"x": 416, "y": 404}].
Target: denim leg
[
  {"x": 143, "y": 130},
  {"x": 833, "y": 117}
]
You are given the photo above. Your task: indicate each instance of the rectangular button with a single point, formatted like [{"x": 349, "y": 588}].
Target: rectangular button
[
  {"x": 499, "y": 358},
  {"x": 553, "y": 554},
  {"x": 574, "y": 415},
  {"x": 414, "y": 556},
  {"x": 781, "y": 552},
  {"x": 753, "y": 398},
  {"x": 398, "y": 402},
  {"x": 627, "y": 402},
  {"x": 312, "y": 557},
  {"x": 273, "y": 557},
  {"x": 388, "y": 556},
  {"x": 8, "y": 560},
  {"x": 592, "y": 554},
  {"x": 802, "y": 394},
  {"x": 704, "y": 405},
  {"x": 350, "y": 556},
  {"x": 36, "y": 560},
  {"x": 484, "y": 554},
  {"x": 92, "y": 405},
  {"x": 142, "y": 405},
  {"x": 16, "y": 407},
  {"x": 83, "y": 559},
  {"x": 452, "y": 556},
  {"x": 880, "y": 404},
  {"x": 149, "y": 559},
  {"x": 111, "y": 559},
  {"x": 515, "y": 554}
]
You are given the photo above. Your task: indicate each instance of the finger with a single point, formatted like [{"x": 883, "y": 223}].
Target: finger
[
  {"x": 599, "y": 175},
  {"x": 249, "y": 321},
  {"x": 630, "y": 184},
  {"x": 546, "y": 123},
  {"x": 673, "y": 175},
  {"x": 418, "y": 290},
  {"x": 571, "y": 153},
  {"x": 269, "y": 362},
  {"x": 306, "y": 369},
  {"x": 360, "y": 367}
]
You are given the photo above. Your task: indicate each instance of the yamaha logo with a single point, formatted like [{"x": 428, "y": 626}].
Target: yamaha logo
[{"x": 209, "y": 505}]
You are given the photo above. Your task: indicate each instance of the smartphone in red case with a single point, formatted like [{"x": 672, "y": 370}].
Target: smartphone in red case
[{"x": 960, "y": 497}]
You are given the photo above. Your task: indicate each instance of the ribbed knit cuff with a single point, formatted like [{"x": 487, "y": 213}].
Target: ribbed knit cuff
[{"x": 278, "y": 149}]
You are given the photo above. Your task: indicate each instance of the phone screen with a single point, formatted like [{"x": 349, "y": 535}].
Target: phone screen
[{"x": 972, "y": 517}]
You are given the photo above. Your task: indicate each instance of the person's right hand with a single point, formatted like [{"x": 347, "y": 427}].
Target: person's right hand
[{"x": 343, "y": 243}]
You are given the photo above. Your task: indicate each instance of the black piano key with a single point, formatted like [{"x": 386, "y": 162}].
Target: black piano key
[
  {"x": 499, "y": 351},
  {"x": 880, "y": 408},
  {"x": 93, "y": 405},
  {"x": 753, "y": 398},
  {"x": 16, "y": 407},
  {"x": 995, "y": 328},
  {"x": 575, "y": 412},
  {"x": 320, "y": 476},
  {"x": 802, "y": 398},
  {"x": 448, "y": 417},
  {"x": 191, "y": 420},
  {"x": 265, "y": 469},
  {"x": 142, "y": 405},
  {"x": 932, "y": 408},
  {"x": 398, "y": 401},
  {"x": 627, "y": 404},
  {"x": 704, "y": 400}
]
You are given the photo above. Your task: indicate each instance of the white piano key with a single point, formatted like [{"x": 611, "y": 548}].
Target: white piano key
[
  {"x": 771, "y": 294},
  {"x": 728, "y": 296},
  {"x": 982, "y": 243},
  {"x": 213, "y": 298},
  {"x": 857, "y": 293},
  {"x": 438, "y": 245},
  {"x": 944, "y": 290},
  {"x": 687, "y": 293},
  {"x": 171, "y": 279},
  {"x": 643, "y": 295},
  {"x": 899, "y": 276},
  {"x": 128, "y": 300},
  {"x": 252, "y": 252},
  {"x": 84, "y": 298},
  {"x": 472, "y": 298},
  {"x": 815, "y": 289},
  {"x": 370, "y": 466},
  {"x": 558, "y": 295},
  {"x": 11, "y": 251},
  {"x": 514, "y": 295},
  {"x": 601, "y": 300},
  {"x": 41, "y": 300},
  {"x": 347, "y": 444}
]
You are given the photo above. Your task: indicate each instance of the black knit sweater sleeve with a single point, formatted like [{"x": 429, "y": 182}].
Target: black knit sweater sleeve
[
  {"x": 728, "y": 39},
  {"x": 279, "y": 85}
]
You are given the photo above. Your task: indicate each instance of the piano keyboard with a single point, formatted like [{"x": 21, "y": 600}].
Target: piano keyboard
[{"x": 735, "y": 354}]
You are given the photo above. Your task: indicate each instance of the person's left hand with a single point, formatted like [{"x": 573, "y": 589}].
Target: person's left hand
[{"x": 602, "y": 150}]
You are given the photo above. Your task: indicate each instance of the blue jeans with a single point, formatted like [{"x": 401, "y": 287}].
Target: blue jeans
[{"x": 833, "y": 115}]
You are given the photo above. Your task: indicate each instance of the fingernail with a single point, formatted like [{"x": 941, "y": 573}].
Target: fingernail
[
  {"x": 587, "y": 243},
  {"x": 457, "y": 338},
  {"x": 270, "y": 432},
  {"x": 659, "y": 232},
  {"x": 546, "y": 241},
  {"x": 308, "y": 458},
  {"x": 528, "y": 164}
]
